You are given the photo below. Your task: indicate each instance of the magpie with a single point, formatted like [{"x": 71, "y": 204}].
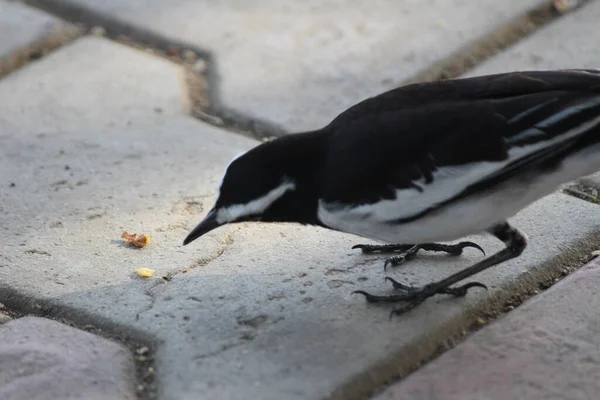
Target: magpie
[{"x": 425, "y": 163}]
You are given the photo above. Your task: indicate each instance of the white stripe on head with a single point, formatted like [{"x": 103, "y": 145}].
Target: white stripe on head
[{"x": 256, "y": 206}]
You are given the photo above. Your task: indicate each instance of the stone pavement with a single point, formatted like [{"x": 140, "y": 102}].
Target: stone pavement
[
  {"x": 95, "y": 140},
  {"x": 299, "y": 64},
  {"x": 549, "y": 348}
]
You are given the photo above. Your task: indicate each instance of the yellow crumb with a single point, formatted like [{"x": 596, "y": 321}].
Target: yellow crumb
[{"x": 145, "y": 272}]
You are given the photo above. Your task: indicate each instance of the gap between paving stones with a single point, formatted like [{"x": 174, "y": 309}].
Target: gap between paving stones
[
  {"x": 583, "y": 192},
  {"x": 141, "y": 345},
  {"x": 4, "y": 314},
  {"x": 60, "y": 36},
  {"x": 469, "y": 56},
  {"x": 201, "y": 75},
  {"x": 398, "y": 366}
]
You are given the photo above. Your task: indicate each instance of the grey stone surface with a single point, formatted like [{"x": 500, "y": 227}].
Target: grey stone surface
[
  {"x": 42, "y": 359},
  {"x": 571, "y": 42},
  {"x": 23, "y": 27},
  {"x": 548, "y": 348},
  {"x": 109, "y": 154},
  {"x": 262, "y": 311},
  {"x": 299, "y": 64}
]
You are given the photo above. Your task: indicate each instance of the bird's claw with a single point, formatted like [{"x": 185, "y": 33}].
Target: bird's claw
[
  {"x": 366, "y": 248},
  {"x": 373, "y": 298},
  {"x": 400, "y": 286},
  {"x": 396, "y": 260},
  {"x": 416, "y": 295},
  {"x": 381, "y": 248},
  {"x": 461, "y": 291},
  {"x": 462, "y": 245}
]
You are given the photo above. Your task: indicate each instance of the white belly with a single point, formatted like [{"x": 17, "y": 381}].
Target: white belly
[{"x": 471, "y": 215}]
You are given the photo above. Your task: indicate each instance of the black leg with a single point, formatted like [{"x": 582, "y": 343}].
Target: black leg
[
  {"x": 409, "y": 251},
  {"x": 515, "y": 243}
]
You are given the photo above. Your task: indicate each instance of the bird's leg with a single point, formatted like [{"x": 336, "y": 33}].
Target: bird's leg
[
  {"x": 409, "y": 251},
  {"x": 515, "y": 243}
]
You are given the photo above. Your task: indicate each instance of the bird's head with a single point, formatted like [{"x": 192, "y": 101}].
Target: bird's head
[{"x": 273, "y": 182}]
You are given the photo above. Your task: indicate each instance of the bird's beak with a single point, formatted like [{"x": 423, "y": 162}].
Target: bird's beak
[{"x": 208, "y": 224}]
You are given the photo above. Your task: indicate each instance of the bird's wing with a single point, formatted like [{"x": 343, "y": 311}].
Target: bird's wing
[
  {"x": 497, "y": 86},
  {"x": 411, "y": 159}
]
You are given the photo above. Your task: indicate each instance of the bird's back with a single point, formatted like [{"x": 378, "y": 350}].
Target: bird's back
[{"x": 415, "y": 149}]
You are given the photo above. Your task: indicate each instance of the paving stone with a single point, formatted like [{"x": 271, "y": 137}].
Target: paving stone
[
  {"x": 299, "y": 64},
  {"x": 262, "y": 311},
  {"x": 548, "y": 348},
  {"x": 25, "y": 31},
  {"x": 42, "y": 359},
  {"x": 570, "y": 42}
]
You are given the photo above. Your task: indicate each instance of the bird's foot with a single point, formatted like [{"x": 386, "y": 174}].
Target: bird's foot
[
  {"x": 382, "y": 248},
  {"x": 409, "y": 251},
  {"x": 414, "y": 296}
]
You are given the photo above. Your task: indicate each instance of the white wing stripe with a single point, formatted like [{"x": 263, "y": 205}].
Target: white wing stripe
[
  {"x": 529, "y": 111},
  {"x": 526, "y": 134},
  {"x": 566, "y": 113},
  {"x": 447, "y": 183}
]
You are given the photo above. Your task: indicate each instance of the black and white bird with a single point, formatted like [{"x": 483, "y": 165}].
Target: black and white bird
[{"x": 425, "y": 163}]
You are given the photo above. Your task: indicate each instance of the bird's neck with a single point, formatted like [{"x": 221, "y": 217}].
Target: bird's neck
[{"x": 304, "y": 156}]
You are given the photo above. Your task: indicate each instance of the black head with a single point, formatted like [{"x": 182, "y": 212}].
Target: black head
[{"x": 273, "y": 182}]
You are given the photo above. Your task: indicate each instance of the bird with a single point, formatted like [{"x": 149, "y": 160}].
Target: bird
[{"x": 425, "y": 164}]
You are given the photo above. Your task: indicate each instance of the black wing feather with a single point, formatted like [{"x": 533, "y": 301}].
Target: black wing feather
[
  {"x": 391, "y": 141},
  {"x": 496, "y": 86}
]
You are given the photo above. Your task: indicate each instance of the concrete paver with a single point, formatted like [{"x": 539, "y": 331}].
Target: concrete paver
[
  {"x": 299, "y": 64},
  {"x": 25, "y": 31},
  {"x": 548, "y": 348},
  {"x": 262, "y": 310},
  {"x": 571, "y": 42},
  {"x": 42, "y": 359}
]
